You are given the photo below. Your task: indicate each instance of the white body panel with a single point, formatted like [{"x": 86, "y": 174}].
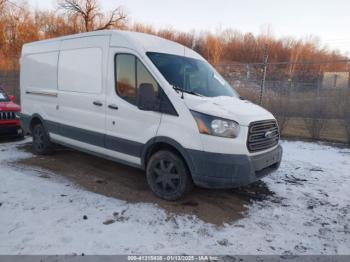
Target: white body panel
[
  {"x": 62, "y": 80},
  {"x": 81, "y": 72},
  {"x": 38, "y": 82}
]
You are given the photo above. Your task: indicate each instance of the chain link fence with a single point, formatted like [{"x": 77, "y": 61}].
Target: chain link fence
[
  {"x": 9, "y": 81},
  {"x": 309, "y": 100}
]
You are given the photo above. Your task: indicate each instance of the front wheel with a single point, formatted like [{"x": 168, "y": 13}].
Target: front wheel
[
  {"x": 41, "y": 140},
  {"x": 168, "y": 176}
]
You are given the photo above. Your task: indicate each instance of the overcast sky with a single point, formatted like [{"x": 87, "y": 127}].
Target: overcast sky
[{"x": 327, "y": 19}]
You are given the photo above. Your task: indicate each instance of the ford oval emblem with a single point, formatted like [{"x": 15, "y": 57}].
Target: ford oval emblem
[{"x": 269, "y": 134}]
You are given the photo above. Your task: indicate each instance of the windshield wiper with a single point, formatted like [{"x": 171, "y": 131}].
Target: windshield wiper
[{"x": 185, "y": 91}]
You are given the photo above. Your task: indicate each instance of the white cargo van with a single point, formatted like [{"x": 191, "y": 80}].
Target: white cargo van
[{"x": 146, "y": 102}]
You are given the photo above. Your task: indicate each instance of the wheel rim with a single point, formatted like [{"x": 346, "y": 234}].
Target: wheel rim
[
  {"x": 38, "y": 138},
  {"x": 166, "y": 176}
]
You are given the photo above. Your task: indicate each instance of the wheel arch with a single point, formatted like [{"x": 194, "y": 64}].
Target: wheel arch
[
  {"x": 35, "y": 119},
  {"x": 158, "y": 143}
]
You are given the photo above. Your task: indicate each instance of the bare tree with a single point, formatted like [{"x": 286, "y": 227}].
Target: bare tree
[
  {"x": 2, "y": 4},
  {"x": 213, "y": 48},
  {"x": 89, "y": 11},
  {"x": 116, "y": 18}
]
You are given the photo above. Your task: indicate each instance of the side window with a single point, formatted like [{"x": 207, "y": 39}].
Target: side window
[
  {"x": 126, "y": 77},
  {"x": 130, "y": 74},
  {"x": 144, "y": 77}
]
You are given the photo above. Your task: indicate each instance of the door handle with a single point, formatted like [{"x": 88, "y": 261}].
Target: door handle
[
  {"x": 97, "y": 103},
  {"x": 114, "y": 107}
]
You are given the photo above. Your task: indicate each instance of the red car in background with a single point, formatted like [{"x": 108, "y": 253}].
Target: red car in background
[{"x": 10, "y": 125}]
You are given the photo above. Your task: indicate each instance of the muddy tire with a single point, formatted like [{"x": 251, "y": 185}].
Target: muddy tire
[
  {"x": 168, "y": 175},
  {"x": 41, "y": 140}
]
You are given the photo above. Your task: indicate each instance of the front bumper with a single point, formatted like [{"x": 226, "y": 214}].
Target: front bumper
[
  {"x": 10, "y": 131},
  {"x": 214, "y": 170}
]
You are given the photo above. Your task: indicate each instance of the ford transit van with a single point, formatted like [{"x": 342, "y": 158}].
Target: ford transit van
[{"x": 146, "y": 102}]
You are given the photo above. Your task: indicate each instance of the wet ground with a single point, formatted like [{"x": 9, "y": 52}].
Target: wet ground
[
  {"x": 70, "y": 202},
  {"x": 126, "y": 183}
]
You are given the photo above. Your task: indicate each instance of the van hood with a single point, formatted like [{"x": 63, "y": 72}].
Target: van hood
[{"x": 233, "y": 108}]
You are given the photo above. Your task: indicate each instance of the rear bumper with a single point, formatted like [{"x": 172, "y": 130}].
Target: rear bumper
[
  {"x": 10, "y": 130},
  {"x": 213, "y": 170}
]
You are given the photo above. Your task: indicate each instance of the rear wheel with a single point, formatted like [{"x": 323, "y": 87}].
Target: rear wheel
[
  {"x": 41, "y": 140},
  {"x": 168, "y": 176}
]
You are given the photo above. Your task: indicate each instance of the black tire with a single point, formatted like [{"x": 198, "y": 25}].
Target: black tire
[
  {"x": 41, "y": 140},
  {"x": 168, "y": 175}
]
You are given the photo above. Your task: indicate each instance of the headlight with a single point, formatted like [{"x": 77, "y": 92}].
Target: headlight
[
  {"x": 18, "y": 116},
  {"x": 215, "y": 126}
]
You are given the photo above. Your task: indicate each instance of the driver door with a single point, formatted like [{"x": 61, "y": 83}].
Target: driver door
[{"x": 127, "y": 127}]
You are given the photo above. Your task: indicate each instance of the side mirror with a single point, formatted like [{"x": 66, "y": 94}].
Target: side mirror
[
  {"x": 146, "y": 98},
  {"x": 12, "y": 98}
]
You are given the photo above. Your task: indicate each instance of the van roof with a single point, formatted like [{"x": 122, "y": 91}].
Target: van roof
[{"x": 140, "y": 42}]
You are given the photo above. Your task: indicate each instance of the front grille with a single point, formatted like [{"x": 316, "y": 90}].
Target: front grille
[
  {"x": 262, "y": 135},
  {"x": 7, "y": 115}
]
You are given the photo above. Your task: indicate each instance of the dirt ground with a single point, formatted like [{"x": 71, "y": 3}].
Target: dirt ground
[{"x": 126, "y": 183}]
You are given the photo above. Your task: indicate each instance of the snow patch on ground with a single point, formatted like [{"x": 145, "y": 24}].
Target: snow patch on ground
[{"x": 309, "y": 213}]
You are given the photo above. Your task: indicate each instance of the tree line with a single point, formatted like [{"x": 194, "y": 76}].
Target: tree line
[
  {"x": 20, "y": 24},
  {"x": 229, "y": 50}
]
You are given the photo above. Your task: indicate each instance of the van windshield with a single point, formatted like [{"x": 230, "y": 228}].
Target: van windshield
[
  {"x": 3, "y": 96},
  {"x": 191, "y": 75}
]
